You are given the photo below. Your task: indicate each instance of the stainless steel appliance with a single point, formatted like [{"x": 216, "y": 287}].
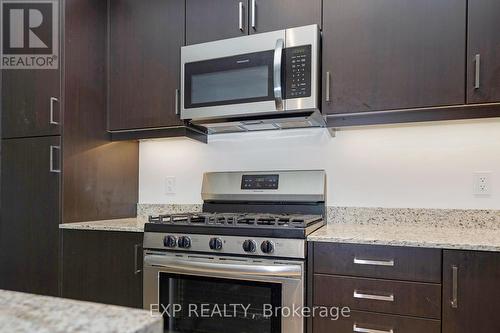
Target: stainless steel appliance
[
  {"x": 247, "y": 246},
  {"x": 257, "y": 82}
]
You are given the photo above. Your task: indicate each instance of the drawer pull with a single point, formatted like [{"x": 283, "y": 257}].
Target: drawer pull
[
  {"x": 362, "y": 295},
  {"x": 359, "y": 329},
  {"x": 389, "y": 263}
]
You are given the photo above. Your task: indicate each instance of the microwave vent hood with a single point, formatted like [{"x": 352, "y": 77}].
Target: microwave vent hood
[{"x": 288, "y": 121}]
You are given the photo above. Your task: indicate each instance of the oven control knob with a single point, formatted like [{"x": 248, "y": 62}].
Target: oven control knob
[
  {"x": 170, "y": 241},
  {"x": 267, "y": 247},
  {"x": 184, "y": 242},
  {"x": 249, "y": 246},
  {"x": 215, "y": 244}
]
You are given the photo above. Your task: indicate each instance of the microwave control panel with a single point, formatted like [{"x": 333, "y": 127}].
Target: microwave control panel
[{"x": 298, "y": 72}]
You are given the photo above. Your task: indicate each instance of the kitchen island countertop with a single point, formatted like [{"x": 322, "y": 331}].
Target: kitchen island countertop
[{"x": 23, "y": 313}]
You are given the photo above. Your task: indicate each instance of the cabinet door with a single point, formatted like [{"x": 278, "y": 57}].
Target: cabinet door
[
  {"x": 31, "y": 98},
  {"x": 269, "y": 15},
  {"x": 392, "y": 54},
  {"x": 483, "y": 62},
  {"x": 30, "y": 102},
  {"x": 471, "y": 292},
  {"x": 145, "y": 41},
  {"x": 216, "y": 19},
  {"x": 30, "y": 215},
  {"x": 102, "y": 266}
]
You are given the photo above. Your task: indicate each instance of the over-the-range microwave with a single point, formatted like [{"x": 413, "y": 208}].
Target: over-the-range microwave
[{"x": 257, "y": 82}]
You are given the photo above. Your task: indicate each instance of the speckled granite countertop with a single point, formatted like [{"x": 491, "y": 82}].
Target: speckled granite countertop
[
  {"x": 418, "y": 227},
  {"x": 130, "y": 224},
  {"x": 480, "y": 239},
  {"x": 27, "y": 313}
]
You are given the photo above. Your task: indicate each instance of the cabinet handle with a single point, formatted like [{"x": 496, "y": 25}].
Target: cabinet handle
[
  {"x": 327, "y": 87},
  {"x": 240, "y": 14},
  {"x": 454, "y": 297},
  {"x": 389, "y": 262},
  {"x": 477, "y": 79},
  {"x": 136, "y": 252},
  {"x": 51, "y": 116},
  {"x": 359, "y": 329},
  {"x": 385, "y": 298},
  {"x": 177, "y": 106},
  {"x": 51, "y": 158},
  {"x": 253, "y": 13}
]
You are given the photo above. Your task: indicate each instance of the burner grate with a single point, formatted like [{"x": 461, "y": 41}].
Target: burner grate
[{"x": 238, "y": 220}]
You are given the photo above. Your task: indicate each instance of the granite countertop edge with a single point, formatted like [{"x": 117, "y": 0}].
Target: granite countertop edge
[{"x": 125, "y": 224}]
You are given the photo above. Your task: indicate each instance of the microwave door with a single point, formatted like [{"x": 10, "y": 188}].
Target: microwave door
[{"x": 237, "y": 77}]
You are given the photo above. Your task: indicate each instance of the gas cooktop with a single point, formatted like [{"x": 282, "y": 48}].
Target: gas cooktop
[
  {"x": 238, "y": 219},
  {"x": 280, "y": 204},
  {"x": 243, "y": 224}
]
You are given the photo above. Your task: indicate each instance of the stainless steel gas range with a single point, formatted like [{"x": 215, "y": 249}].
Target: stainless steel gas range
[{"x": 239, "y": 266}]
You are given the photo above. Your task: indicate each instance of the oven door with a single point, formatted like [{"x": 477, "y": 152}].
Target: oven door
[
  {"x": 212, "y": 294},
  {"x": 233, "y": 78}
]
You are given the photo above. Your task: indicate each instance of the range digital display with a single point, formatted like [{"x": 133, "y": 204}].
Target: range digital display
[{"x": 259, "y": 182}]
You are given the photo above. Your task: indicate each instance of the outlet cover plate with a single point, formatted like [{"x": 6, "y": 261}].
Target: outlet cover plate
[
  {"x": 482, "y": 184},
  {"x": 170, "y": 185}
]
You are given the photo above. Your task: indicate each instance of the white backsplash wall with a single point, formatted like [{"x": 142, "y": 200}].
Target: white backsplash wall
[{"x": 428, "y": 165}]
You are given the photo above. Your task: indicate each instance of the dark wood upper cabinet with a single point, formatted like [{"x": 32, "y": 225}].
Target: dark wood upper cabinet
[
  {"x": 281, "y": 14},
  {"x": 471, "y": 293},
  {"x": 220, "y": 19},
  {"x": 483, "y": 56},
  {"x": 393, "y": 54},
  {"x": 31, "y": 102},
  {"x": 112, "y": 262},
  {"x": 30, "y": 215},
  {"x": 216, "y": 19},
  {"x": 145, "y": 38}
]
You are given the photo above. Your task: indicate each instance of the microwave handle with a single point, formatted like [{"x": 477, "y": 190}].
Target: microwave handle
[
  {"x": 176, "y": 265},
  {"x": 278, "y": 91}
]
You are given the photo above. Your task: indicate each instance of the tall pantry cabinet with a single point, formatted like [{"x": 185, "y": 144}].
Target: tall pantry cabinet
[{"x": 57, "y": 162}]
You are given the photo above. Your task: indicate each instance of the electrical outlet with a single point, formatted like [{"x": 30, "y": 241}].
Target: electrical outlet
[
  {"x": 482, "y": 184},
  {"x": 170, "y": 185}
]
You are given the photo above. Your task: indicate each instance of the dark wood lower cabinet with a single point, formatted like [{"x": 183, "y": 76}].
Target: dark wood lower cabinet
[
  {"x": 388, "y": 289},
  {"x": 471, "y": 292},
  {"x": 102, "y": 266},
  {"x": 381, "y": 323},
  {"x": 30, "y": 215},
  {"x": 377, "y": 261},
  {"x": 385, "y": 296}
]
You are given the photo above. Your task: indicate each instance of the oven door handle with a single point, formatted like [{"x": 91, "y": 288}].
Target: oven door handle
[
  {"x": 223, "y": 269},
  {"x": 278, "y": 91}
]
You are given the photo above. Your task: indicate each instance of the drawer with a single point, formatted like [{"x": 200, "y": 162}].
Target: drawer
[
  {"x": 366, "y": 322},
  {"x": 375, "y": 261},
  {"x": 385, "y": 296}
]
